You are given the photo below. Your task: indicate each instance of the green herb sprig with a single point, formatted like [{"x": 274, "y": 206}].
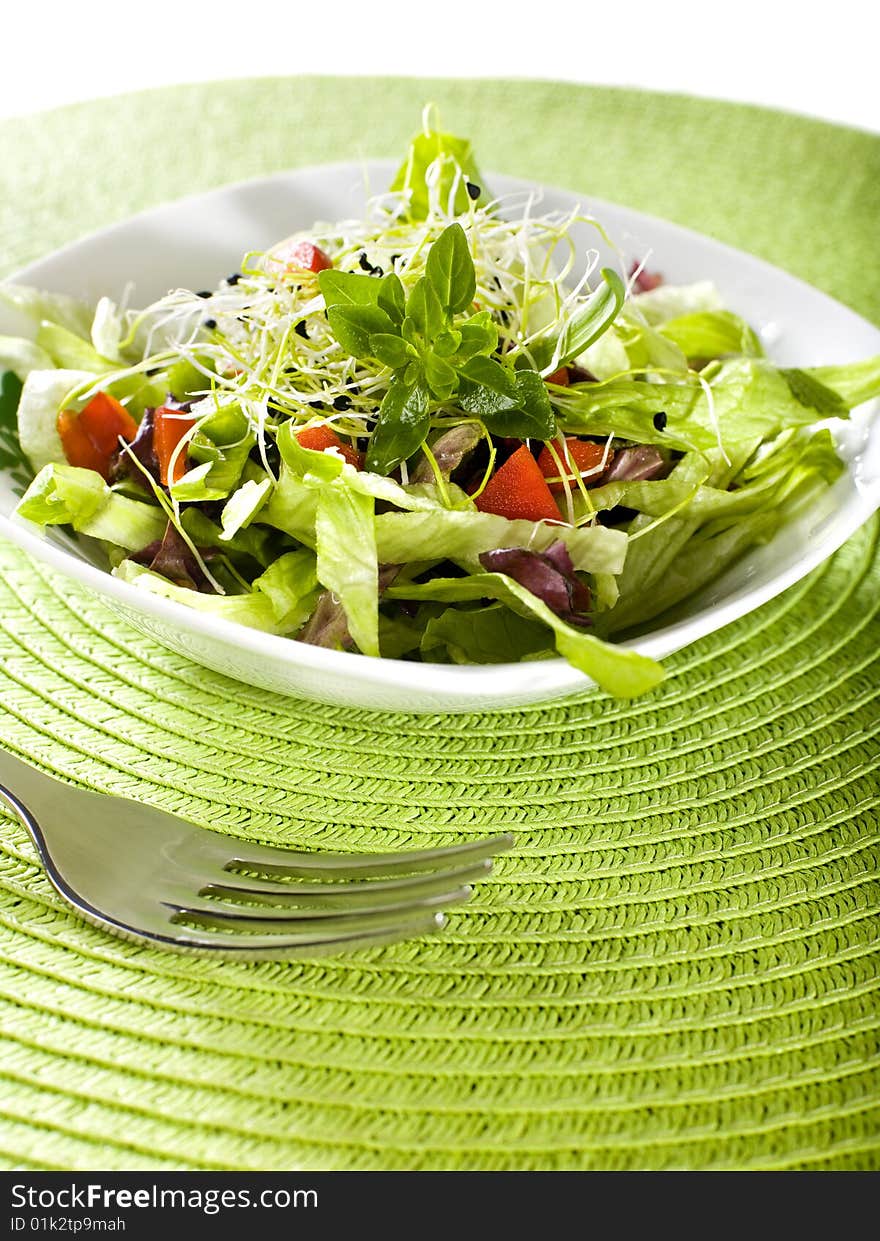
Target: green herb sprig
[{"x": 437, "y": 356}]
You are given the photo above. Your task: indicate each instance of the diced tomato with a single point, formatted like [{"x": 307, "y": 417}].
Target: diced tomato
[
  {"x": 170, "y": 426},
  {"x": 302, "y": 256},
  {"x": 645, "y": 281},
  {"x": 560, "y": 377},
  {"x": 518, "y": 489},
  {"x": 583, "y": 455},
  {"x": 91, "y": 437},
  {"x": 319, "y": 438}
]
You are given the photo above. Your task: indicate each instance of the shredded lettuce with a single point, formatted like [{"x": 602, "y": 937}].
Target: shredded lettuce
[
  {"x": 622, "y": 672},
  {"x": 42, "y": 397},
  {"x": 67, "y": 495}
]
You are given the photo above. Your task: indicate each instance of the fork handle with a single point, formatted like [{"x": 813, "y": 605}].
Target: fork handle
[{"x": 37, "y": 795}]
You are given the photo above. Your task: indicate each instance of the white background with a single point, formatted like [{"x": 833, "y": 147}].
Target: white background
[{"x": 816, "y": 58}]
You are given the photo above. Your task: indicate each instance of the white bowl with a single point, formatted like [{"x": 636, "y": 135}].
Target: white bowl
[{"x": 196, "y": 241}]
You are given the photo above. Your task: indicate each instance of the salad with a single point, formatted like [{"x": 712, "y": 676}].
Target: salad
[{"x": 437, "y": 433}]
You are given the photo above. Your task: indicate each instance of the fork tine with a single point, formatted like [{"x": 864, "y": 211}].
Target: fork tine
[
  {"x": 329, "y": 920},
  {"x": 262, "y": 859},
  {"x": 352, "y": 893},
  {"x": 276, "y": 948}
]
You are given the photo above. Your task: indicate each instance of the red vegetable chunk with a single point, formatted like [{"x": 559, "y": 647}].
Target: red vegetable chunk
[
  {"x": 518, "y": 489},
  {"x": 319, "y": 438},
  {"x": 91, "y": 437},
  {"x": 170, "y": 427},
  {"x": 302, "y": 256},
  {"x": 584, "y": 457}
]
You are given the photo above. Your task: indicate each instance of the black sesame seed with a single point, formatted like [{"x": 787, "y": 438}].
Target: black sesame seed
[
  {"x": 302, "y": 330},
  {"x": 395, "y": 258},
  {"x": 364, "y": 263},
  {"x": 473, "y": 190},
  {"x": 234, "y": 278},
  {"x": 210, "y": 324},
  {"x": 378, "y": 272},
  {"x": 660, "y": 420},
  {"x": 204, "y": 293},
  {"x": 341, "y": 403}
]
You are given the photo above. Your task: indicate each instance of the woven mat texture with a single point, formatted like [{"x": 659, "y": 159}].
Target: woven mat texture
[{"x": 677, "y": 965}]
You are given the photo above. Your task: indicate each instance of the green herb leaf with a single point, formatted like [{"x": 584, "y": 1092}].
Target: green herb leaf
[
  {"x": 354, "y": 326},
  {"x": 424, "y": 311},
  {"x": 344, "y": 288},
  {"x": 404, "y": 418},
  {"x": 509, "y": 402},
  {"x": 391, "y": 297},
  {"x": 450, "y": 270},
  {"x": 592, "y": 318},
  {"x": 390, "y": 350},
  {"x": 441, "y": 378},
  {"x": 479, "y": 335}
]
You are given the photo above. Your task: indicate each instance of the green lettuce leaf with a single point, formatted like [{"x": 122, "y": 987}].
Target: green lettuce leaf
[
  {"x": 220, "y": 446},
  {"x": 669, "y": 301},
  {"x": 347, "y": 559},
  {"x": 42, "y": 397},
  {"x": 712, "y": 334},
  {"x": 66, "y": 495},
  {"x": 243, "y": 506},
  {"x": 451, "y": 535},
  {"x": 854, "y": 382},
  {"x": 453, "y": 163},
  {"x": 279, "y": 602},
  {"x": 621, "y": 672},
  {"x": 67, "y": 312},
  {"x": 22, "y": 356},
  {"x": 489, "y": 635}
]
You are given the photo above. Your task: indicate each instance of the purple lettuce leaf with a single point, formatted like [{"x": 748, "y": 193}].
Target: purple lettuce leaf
[{"x": 549, "y": 575}]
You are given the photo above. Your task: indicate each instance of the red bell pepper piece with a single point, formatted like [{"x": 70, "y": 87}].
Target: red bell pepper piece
[
  {"x": 302, "y": 256},
  {"x": 319, "y": 438},
  {"x": 560, "y": 377},
  {"x": 91, "y": 437},
  {"x": 584, "y": 456},
  {"x": 169, "y": 428},
  {"x": 518, "y": 489}
]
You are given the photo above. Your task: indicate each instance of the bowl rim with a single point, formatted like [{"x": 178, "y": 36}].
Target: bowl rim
[{"x": 458, "y": 681}]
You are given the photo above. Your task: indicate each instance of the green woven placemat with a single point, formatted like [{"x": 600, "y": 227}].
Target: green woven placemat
[{"x": 676, "y": 967}]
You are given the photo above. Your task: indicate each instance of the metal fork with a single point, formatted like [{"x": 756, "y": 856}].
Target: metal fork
[{"x": 154, "y": 878}]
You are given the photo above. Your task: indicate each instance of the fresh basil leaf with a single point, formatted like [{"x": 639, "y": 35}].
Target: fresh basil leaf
[
  {"x": 345, "y": 288},
  {"x": 479, "y": 335},
  {"x": 591, "y": 319},
  {"x": 509, "y": 402},
  {"x": 441, "y": 377},
  {"x": 447, "y": 343},
  {"x": 390, "y": 350},
  {"x": 354, "y": 326},
  {"x": 534, "y": 404},
  {"x": 490, "y": 387},
  {"x": 391, "y": 297},
  {"x": 450, "y": 270},
  {"x": 813, "y": 394},
  {"x": 404, "y": 419},
  {"x": 424, "y": 311}
]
